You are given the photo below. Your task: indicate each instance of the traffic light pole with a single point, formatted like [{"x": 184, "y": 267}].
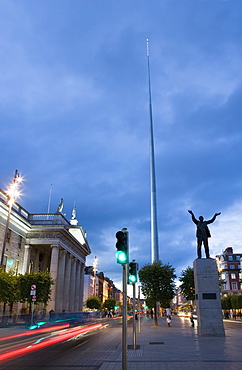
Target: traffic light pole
[
  {"x": 139, "y": 308},
  {"x": 124, "y": 331},
  {"x": 134, "y": 320}
]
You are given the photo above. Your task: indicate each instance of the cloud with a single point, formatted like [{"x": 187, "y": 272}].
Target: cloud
[{"x": 227, "y": 229}]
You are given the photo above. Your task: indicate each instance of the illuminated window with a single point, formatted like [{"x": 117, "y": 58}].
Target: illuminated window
[
  {"x": 233, "y": 276},
  {"x": 223, "y": 276},
  {"x": 31, "y": 266},
  {"x": 16, "y": 267}
]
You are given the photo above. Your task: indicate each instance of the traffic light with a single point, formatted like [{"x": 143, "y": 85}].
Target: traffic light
[
  {"x": 133, "y": 267},
  {"x": 122, "y": 253}
]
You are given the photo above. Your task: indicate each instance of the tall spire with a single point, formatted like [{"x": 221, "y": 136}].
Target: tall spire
[{"x": 153, "y": 208}]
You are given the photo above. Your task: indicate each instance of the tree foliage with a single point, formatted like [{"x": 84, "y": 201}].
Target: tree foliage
[
  {"x": 8, "y": 287},
  {"x": 109, "y": 304},
  {"x": 187, "y": 284},
  {"x": 231, "y": 302},
  {"x": 43, "y": 282},
  {"x": 157, "y": 283},
  {"x": 93, "y": 303},
  {"x": 150, "y": 303}
]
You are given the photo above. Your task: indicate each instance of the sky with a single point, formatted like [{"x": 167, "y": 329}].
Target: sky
[{"x": 74, "y": 117}]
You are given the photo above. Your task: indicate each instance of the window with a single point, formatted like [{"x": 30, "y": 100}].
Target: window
[
  {"x": 230, "y": 258},
  {"x": 224, "y": 286},
  {"x": 233, "y": 276},
  {"x": 223, "y": 276},
  {"x": 234, "y": 286},
  {"x": 8, "y": 236},
  {"x": 238, "y": 258},
  {"x": 20, "y": 241},
  {"x": 231, "y": 266}
]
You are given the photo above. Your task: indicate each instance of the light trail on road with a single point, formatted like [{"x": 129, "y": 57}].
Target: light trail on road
[{"x": 47, "y": 341}]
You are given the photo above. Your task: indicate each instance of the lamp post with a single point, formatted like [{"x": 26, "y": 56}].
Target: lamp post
[
  {"x": 95, "y": 262},
  {"x": 12, "y": 193}
]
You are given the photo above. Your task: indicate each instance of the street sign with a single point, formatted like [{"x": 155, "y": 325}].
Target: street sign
[{"x": 33, "y": 287}]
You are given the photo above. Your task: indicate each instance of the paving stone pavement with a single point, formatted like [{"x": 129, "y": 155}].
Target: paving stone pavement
[{"x": 179, "y": 347}]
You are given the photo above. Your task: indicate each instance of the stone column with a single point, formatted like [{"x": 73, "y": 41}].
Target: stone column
[
  {"x": 36, "y": 259},
  {"x": 72, "y": 285},
  {"x": 27, "y": 250},
  {"x": 81, "y": 287},
  {"x": 78, "y": 283},
  {"x": 207, "y": 298},
  {"x": 67, "y": 282},
  {"x": 60, "y": 281},
  {"x": 53, "y": 272}
]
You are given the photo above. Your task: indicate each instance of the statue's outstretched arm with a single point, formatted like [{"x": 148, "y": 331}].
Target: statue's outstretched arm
[
  {"x": 193, "y": 218},
  {"x": 214, "y": 218}
]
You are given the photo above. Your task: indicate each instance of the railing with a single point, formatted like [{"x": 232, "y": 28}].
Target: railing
[{"x": 48, "y": 219}]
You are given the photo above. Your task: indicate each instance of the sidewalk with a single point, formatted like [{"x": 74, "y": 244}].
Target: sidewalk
[{"x": 179, "y": 347}]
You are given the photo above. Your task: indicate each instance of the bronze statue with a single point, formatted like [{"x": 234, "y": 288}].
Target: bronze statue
[{"x": 203, "y": 233}]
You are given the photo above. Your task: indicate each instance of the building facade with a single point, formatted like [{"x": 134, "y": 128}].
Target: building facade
[
  {"x": 229, "y": 267},
  {"x": 99, "y": 285},
  {"x": 46, "y": 242}
]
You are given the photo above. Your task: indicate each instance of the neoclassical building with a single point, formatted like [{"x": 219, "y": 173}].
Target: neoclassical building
[{"x": 40, "y": 242}]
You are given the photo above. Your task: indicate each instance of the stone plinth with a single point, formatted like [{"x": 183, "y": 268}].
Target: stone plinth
[{"x": 207, "y": 298}]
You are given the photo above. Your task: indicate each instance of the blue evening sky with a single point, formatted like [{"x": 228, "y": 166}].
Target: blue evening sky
[{"x": 74, "y": 113}]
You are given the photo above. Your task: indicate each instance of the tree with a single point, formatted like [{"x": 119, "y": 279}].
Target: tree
[
  {"x": 43, "y": 282},
  {"x": 8, "y": 291},
  {"x": 157, "y": 284},
  {"x": 226, "y": 303},
  {"x": 109, "y": 304},
  {"x": 236, "y": 301},
  {"x": 93, "y": 303},
  {"x": 8, "y": 288},
  {"x": 188, "y": 286}
]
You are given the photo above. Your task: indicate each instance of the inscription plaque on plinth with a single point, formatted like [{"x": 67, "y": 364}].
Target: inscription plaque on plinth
[{"x": 207, "y": 298}]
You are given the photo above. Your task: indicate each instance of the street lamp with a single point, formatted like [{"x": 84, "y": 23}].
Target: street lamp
[
  {"x": 95, "y": 262},
  {"x": 13, "y": 193}
]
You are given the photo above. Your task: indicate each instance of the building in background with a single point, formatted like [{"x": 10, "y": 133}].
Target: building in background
[
  {"x": 99, "y": 285},
  {"x": 229, "y": 267},
  {"x": 40, "y": 242}
]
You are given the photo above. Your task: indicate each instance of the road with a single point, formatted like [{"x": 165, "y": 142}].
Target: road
[{"x": 69, "y": 347}]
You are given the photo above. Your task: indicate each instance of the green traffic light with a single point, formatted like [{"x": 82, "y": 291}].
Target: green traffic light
[
  {"x": 121, "y": 257},
  {"x": 122, "y": 253},
  {"x": 132, "y": 279}
]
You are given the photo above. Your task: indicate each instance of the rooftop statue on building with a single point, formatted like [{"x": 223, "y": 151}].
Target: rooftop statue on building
[{"x": 61, "y": 205}]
